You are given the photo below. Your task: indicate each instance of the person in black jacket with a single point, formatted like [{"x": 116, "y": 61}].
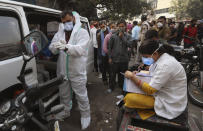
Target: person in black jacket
[
  {"x": 118, "y": 53},
  {"x": 103, "y": 58}
]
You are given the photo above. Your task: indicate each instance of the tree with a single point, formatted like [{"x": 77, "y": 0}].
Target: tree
[
  {"x": 188, "y": 8},
  {"x": 111, "y": 9},
  {"x": 84, "y": 7}
]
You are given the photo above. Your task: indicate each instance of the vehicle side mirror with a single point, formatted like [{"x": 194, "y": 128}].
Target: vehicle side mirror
[{"x": 35, "y": 42}]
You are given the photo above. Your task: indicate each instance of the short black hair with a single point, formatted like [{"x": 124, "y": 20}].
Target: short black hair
[
  {"x": 150, "y": 46},
  {"x": 143, "y": 18},
  {"x": 173, "y": 22},
  {"x": 193, "y": 20},
  {"x": 162, "y": 17},
  {"x": 66, "y": 12},
  {"x": 135, "y": 22},
  {"x": 102, "y": 22},
  {"x": 151, "y": 34},
  {"x": 111, "y": 23},
  {"x": 121, "y": 22}
]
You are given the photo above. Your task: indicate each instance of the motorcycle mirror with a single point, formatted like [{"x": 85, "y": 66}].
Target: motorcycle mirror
[{"x": 34, "y": 43}]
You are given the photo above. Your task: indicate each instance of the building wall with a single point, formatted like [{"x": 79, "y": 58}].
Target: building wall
[
  {"x": 163, "y": 9},
  {"x": 163, "y": 4}
]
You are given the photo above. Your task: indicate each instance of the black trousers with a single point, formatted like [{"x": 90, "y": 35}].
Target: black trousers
[
  {"x": 116, "y": 68},
  {"x": 134, "y": 47},
  {"x": 105, "y": 68},
  {"x": 95, "y": 60}
]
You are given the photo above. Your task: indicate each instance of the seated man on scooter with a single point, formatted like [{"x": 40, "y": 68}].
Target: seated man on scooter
[{"x": 166, "y": 92}]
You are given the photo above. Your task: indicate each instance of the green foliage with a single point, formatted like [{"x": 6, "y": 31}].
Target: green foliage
[
  {"x": 111, "y": 9},
  {"x": 188, "y": 8},
  {"x": 84, "y": 7}
]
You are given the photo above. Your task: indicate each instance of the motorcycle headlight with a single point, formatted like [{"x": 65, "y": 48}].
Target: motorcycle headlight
[{"x": 5, "y": 107}]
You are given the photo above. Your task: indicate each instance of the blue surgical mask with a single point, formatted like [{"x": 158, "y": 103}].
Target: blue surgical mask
[
  {"x": 150, "y": 60},
  {"x": 147, "y": 61},
  {"x": 68, "y": 26}
]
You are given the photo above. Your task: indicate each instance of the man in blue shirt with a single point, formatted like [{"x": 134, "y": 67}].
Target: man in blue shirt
[
  {"x": 135, "y": 31},
  {"x": 135, "y": 35}
]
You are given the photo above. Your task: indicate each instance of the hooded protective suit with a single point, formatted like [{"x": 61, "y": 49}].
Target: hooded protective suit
[{"x": 72, "y": 65}]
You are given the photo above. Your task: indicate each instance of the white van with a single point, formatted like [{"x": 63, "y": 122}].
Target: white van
[{"x": 16, "y": 21}]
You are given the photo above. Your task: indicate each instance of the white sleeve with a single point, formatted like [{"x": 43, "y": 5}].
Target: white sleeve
[
  {"x": 95, "y": 37},
  {"x": 81, "y": 47},
  {"x": 160, "y": 77},
  {"x": 51, "y": 46},
  {"x": 93, "y": 34}
]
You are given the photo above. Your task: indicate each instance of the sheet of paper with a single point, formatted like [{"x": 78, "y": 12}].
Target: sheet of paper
[{"x": 130, "y": 86}]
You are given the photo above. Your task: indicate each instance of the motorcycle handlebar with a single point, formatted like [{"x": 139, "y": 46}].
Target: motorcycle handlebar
[
  {"x": 51, "y": 83},
  {"x": 8, "y": 122},
  {"x": 36, "y": 89}
]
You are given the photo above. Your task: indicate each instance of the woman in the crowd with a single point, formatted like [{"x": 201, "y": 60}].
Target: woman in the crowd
[{"x": 166, "y": 92}]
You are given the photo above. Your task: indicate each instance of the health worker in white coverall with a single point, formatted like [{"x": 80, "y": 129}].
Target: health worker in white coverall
[{"x": 71, "y": 42}]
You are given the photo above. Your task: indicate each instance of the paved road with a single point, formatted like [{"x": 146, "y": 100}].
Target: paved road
[{"x": 103, "y": 108}]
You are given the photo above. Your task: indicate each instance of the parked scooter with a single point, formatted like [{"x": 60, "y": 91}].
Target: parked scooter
[
  {"x": 195, "y": 79},
  {"x": 37, "y": 104}
]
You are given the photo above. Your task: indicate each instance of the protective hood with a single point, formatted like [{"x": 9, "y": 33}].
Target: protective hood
[{"x": 76, "y": 27}]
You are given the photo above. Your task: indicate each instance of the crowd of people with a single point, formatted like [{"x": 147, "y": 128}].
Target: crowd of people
[{"x": 116, "y": 42}]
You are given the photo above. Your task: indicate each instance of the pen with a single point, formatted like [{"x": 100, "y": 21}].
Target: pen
[{"x": 122, "y": 73}]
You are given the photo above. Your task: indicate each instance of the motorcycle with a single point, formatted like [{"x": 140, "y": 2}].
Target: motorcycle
[
  {"x": 36, "y": 104},
  {"x": 195, "y": 79}
]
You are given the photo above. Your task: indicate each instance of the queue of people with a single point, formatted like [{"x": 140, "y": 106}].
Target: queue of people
[
  {"x": 112, "y": 55},
  {"x": 109, "y": 53},
  {"x": 166, "y": 92}
]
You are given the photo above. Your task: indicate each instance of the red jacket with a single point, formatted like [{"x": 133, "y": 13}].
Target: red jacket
[{"x": 191, "y": 32}]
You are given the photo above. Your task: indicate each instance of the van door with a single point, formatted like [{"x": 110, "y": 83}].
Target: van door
[
  {"x": 48, "y": 24},
  {"x": 11, "y": 33}
]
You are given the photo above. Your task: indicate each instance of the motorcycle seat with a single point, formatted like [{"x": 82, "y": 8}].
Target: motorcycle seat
[
  {"x": 155, "y": 122},
  {"x": 158, "y": 123}
]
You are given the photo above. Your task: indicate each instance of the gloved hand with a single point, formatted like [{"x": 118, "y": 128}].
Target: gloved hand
[
  {"x": 85, "y": 122},
  {"x": 61, "y": 45},
  {"x": 55, "y": 44}
]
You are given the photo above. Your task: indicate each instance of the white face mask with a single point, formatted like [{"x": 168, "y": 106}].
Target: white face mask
[
  {"x": 159, "y": 25},
  {"x": 103, "y": 29},
  {"x": 68, "y": 26},
  {"x": 113, "y": 30}
]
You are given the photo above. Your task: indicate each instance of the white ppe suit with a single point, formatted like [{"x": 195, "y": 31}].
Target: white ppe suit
[{"x": 72, "y": 65}]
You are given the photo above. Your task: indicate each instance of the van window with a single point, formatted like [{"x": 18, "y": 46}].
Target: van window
[
  {"x": 10, "y": 35},
  {"x": 10, "y": 32}
]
